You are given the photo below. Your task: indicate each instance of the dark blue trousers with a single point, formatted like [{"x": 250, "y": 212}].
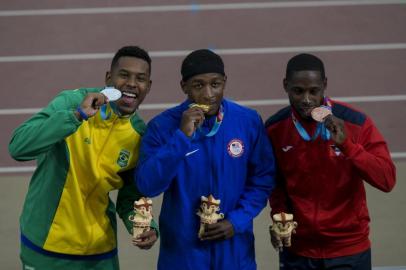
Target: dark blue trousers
[{"x": 360, "y": 261}]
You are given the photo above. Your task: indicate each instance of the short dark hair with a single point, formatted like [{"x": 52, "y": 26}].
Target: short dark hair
[
  {"x": 305, "y": 61},
  {"x": 133, "y": 51}
]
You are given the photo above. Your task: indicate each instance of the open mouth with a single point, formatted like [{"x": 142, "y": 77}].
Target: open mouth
[
  {"x": 129, "y": 97},
  {"x": 129, "y": 94}
]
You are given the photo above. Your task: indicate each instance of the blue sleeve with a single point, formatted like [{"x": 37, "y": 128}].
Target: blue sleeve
[
  {"x": 259, "y": 184},
  {"x": 159, "y": 159}
]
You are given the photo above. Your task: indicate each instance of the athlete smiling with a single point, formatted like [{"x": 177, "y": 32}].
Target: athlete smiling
[{"x": 85, "y": 147}]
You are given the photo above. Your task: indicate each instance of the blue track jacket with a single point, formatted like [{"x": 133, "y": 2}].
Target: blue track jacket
[{"x": 236, "y": 165}]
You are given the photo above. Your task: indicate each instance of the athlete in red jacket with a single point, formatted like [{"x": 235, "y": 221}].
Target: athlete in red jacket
[{"x": 322, "y": 167}]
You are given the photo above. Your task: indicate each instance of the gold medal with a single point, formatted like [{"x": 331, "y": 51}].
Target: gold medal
[{"x": 204, "y": 107}]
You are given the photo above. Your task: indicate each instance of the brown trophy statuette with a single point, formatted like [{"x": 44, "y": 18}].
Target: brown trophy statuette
[
  {"x": 142, "y": 216},
  {"x": 282, "y": 228},
  {"x": 207, "y": 212}
]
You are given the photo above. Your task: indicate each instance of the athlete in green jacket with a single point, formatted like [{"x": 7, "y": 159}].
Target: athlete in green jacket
[{"x": 85, "y": 147}]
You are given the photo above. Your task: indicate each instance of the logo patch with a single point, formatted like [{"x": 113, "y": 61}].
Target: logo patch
[
  {"x": 123, "y": 158},
  {"x": 192, "y": 152},
  {"x": 335, "y": 150},
  {"x": 287, "y": 148},
  {"x": 235, "y": 148}
]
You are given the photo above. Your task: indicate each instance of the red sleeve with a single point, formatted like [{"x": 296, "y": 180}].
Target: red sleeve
[
  {"x": 278, "y": 199},
  {"x": 371, "y": 157}
]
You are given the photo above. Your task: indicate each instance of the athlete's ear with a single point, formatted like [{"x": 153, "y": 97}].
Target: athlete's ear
[
  {"x": 325, "y": 83},
  {"x": 149, "y": 86},
  {"x": 183, "y": 86},
  {"x": 285, "y": 84},
  {"x": 107, "y": 79}
]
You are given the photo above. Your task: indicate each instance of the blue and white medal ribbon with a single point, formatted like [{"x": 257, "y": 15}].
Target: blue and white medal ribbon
[
  {"x": 320, "y": 128},
  {"x": 217, "y": 123},
  {"x": 103, "y": 112}
]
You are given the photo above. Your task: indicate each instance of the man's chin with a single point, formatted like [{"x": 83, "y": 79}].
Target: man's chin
[
  {"x": 305, "y": 113},
  {"x": 210, "y": 113},
  {"x": 127, "y": 110},
  {"x": 213, "y": 110},
  {"x": 307, "y": 117}
]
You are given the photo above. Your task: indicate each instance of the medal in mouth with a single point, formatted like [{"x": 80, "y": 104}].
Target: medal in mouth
[
  {"x": 320, "y": 114},
  {"x": 204, "y": 107},
  {"x": 111, "y": 93}
]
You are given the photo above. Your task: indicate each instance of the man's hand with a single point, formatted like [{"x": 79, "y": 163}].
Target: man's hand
[
  {"x": 91, "y": 104},
  {"x": 218, "y": 231},
  {"x": 336, "y": 128},
  {"x": 192, "y": 118},
  {"x": 145, "y": 240}
]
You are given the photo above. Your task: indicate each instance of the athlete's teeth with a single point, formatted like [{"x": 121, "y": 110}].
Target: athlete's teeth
[{"x": 130, "y": 94}]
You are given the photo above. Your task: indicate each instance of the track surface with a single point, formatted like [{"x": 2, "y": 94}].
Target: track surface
[
  {"x": 48, "y": 46},
  {"x": 356, "y": 71}
]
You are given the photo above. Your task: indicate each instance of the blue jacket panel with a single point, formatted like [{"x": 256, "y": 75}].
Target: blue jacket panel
[{"x": 236, "y": 166}]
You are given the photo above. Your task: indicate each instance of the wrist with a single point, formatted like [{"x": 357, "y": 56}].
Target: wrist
[{"x": 82, "y": 115}]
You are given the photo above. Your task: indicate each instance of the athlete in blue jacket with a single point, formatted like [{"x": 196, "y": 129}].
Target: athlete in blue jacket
[{"x": 188, "y": 152}]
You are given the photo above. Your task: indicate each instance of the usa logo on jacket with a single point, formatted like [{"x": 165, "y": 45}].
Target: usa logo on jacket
[{"x": 235, "y": 148}]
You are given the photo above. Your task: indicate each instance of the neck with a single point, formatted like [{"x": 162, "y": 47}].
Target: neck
[{"x": 115, "y": 109}]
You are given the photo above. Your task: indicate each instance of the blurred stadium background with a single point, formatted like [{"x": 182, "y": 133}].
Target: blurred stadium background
[{"x": 48, "y": 46}]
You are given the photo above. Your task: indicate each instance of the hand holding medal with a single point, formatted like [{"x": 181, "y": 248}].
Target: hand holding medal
[
  {"x": 324, "y": 115},
  {"x": 320, "y": 114},
  {"x": 336, "y": 128},
  {"x": 193, "y": 118},
  {"x": 93, "y": 101},
  {"x": 90, "y": 105}
]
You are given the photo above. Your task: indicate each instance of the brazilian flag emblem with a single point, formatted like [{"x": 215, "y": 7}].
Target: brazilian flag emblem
[{"x": 123, "y": 158}]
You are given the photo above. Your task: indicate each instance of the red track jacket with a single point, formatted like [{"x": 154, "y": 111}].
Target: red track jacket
[{"x": 322, "y": 184}]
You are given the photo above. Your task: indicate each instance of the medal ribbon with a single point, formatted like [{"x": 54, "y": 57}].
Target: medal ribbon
[
  {"x": 217, "y": 123},
  {"x": 106, "y": 109},
  {"x": 103, "y": 112}
]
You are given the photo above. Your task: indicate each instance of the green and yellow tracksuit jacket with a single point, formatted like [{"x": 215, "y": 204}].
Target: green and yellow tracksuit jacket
[{"x": 67, "y": 209}]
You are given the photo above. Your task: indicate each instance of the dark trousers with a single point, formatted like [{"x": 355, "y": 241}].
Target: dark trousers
[{"x": 360, "y": 261}]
